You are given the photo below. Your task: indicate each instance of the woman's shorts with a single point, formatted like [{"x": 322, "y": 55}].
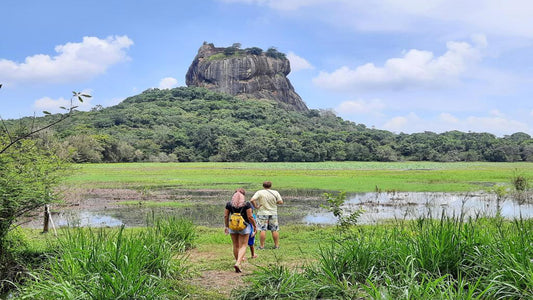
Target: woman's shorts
[
  {"x": 246, "y": 230},
  {"x": 267, "y": 222}
]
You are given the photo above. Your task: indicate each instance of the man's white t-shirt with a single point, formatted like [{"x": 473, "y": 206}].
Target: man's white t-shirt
[{"x": 267, "y": 199}]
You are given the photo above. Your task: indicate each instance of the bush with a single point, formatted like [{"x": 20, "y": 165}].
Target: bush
[
  {"x": 422, "y": 259},
  {"x": 114, "y": 264}
]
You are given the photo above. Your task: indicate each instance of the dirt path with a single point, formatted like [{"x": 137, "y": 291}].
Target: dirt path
[{"x": 211, "y": 279}]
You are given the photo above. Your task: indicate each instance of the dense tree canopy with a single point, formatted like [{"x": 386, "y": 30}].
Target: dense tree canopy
[{"x": 194, "y": 124}]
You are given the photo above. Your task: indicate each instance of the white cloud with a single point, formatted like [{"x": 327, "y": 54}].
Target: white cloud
[
  {"x": 54, "y": 105},
  {"x": 402, "y": 123},
  {"x": 73, "y": 62},
  {"x": 298, "y": 63},
  {"x": 496, "y": 113},
  {"x": 499, "y": 125},
  {"x": 448, "y": 118},
  {"x": 168, "y": 83},
  {"x": 511, "y": 18},
  {"x": 356, "y": 107},
  {"x": 415, "y": 69}
]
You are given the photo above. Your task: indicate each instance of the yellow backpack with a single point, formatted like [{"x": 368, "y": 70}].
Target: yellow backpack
[{"x": 236, "y": 222}]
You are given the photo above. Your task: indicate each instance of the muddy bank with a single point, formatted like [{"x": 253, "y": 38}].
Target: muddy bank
[{"x": 115, "y": 207}]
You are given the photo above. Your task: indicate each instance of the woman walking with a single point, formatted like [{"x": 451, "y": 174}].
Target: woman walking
[{"x": 239, "y": 238}]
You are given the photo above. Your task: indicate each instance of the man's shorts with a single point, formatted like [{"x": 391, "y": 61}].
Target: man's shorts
[{"x": 267, "y": 222}]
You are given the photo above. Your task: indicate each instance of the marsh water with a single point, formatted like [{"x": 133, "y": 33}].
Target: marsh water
[{"x": 207, "y": 208}]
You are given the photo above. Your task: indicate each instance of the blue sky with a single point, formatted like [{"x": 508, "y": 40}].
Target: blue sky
[{"x": 403, "y": 66}]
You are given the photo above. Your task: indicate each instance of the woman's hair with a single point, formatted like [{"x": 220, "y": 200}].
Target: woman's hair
[{"x": 237, "y": 200}]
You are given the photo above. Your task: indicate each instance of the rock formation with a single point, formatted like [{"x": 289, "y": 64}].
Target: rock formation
[{"x": 248, "y": 73}]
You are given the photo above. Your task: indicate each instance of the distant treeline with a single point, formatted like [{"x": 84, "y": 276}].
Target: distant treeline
[{"x": 194, "y": 124}]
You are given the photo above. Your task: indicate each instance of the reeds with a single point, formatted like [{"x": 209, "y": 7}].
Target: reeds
[
  {"x": 450, "y": 258},
  {"x": 114, "y": 264}
]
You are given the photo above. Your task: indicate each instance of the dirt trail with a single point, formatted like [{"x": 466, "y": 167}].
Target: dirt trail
[{"x": 221, "y": 282}]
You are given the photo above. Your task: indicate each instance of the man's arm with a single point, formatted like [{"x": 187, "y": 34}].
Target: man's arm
[
  {"x": 279, "y": 200},
  {"x": 254, "y": 202}
]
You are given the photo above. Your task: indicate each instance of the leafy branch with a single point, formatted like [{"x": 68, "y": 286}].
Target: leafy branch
[
  {"x": 69, "y": 110},
  {"x": 334, "y": 205}
]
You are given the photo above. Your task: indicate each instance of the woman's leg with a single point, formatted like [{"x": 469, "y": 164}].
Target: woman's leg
[
  {"x": 235, "y": 242},
  {"x": 242, "y": 244}
]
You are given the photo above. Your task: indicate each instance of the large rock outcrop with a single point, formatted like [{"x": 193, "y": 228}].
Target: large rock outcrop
[{"x": 249, "y": 73}]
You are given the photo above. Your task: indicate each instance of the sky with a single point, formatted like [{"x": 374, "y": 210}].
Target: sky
[{"x": 403, "y": 66}]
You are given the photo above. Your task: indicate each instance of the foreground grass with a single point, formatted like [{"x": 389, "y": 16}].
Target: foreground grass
[
  {"x": 86, "y": 263},
  {"x": 421, "y": 259},
  {"x": 325, "y": 176}
]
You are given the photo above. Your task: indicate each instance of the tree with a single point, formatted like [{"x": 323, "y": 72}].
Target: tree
[
  {"x": 274, "y": 53},
  {"x": 254, "y": 51},
  {"x": 13, "y": 139},
  {"x": 29, "y": 172}
]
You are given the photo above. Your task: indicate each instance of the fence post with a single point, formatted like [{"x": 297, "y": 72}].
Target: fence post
[{"x": 46, "y": 218}]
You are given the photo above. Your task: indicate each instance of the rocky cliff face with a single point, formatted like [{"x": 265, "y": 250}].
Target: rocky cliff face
[{"x": 245, "y": 74}]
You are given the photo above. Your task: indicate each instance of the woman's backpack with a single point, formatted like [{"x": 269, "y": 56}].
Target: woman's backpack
[{"x": 236, "y": 222}]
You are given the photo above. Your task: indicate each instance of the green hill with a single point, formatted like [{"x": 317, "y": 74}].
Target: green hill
[{"x": 195, "y": 124}]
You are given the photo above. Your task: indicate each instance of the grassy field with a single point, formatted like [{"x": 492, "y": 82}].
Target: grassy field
[
  {"x": 420, "y": 259},
  {"x": 327, "y": 176}
]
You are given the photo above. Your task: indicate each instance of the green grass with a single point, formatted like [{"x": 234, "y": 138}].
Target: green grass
[
  {"x": 86, "y": 263},
  {"x": 326, "y": 176},
  {"x": 422, "y": 259}
]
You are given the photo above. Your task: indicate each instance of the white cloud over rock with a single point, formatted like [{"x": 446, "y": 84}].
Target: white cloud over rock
[
  {"x": 416, "y": 68},
  {"x": 168, "y": 83},
  {"x": 73, "y": 62},
  {"x": 298, "y": 63}
]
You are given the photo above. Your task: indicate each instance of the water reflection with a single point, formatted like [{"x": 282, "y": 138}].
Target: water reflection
[
  {"x": 385, "y": 206},
  {"x": 87, "y": 218},
  {"x": 303, "y": 210}
]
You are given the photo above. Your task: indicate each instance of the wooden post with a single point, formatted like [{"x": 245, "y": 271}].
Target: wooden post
[{"x": 46, "y": 218}]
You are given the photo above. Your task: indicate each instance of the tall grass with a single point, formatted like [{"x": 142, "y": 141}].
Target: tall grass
[
  {"x": 448, "y": 258},
  {"x": 113, "y": 264}
]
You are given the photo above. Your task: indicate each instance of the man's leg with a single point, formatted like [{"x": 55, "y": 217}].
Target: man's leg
[
  {"x": 262, "y": 226},
  {"x": 262, "y": 238},
  {"x": 274, "y": 227},
  {"x": 275, "y": 237}
]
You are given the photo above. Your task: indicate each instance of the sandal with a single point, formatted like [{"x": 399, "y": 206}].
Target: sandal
[{"x": 237, "y": 269}]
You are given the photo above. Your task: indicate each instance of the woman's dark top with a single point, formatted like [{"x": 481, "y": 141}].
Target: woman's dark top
[{"x": 241, "y": 210}]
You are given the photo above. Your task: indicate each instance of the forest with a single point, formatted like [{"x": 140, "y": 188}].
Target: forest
[{"x": 188, "y": 124}]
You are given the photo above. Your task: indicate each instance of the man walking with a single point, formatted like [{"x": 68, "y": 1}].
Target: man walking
[{"x": 266, "y": 202}]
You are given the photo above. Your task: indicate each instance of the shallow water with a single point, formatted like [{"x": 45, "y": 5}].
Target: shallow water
[
  {"x": 386, "y": 206},
  {"x": 305, "y": 210}
]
